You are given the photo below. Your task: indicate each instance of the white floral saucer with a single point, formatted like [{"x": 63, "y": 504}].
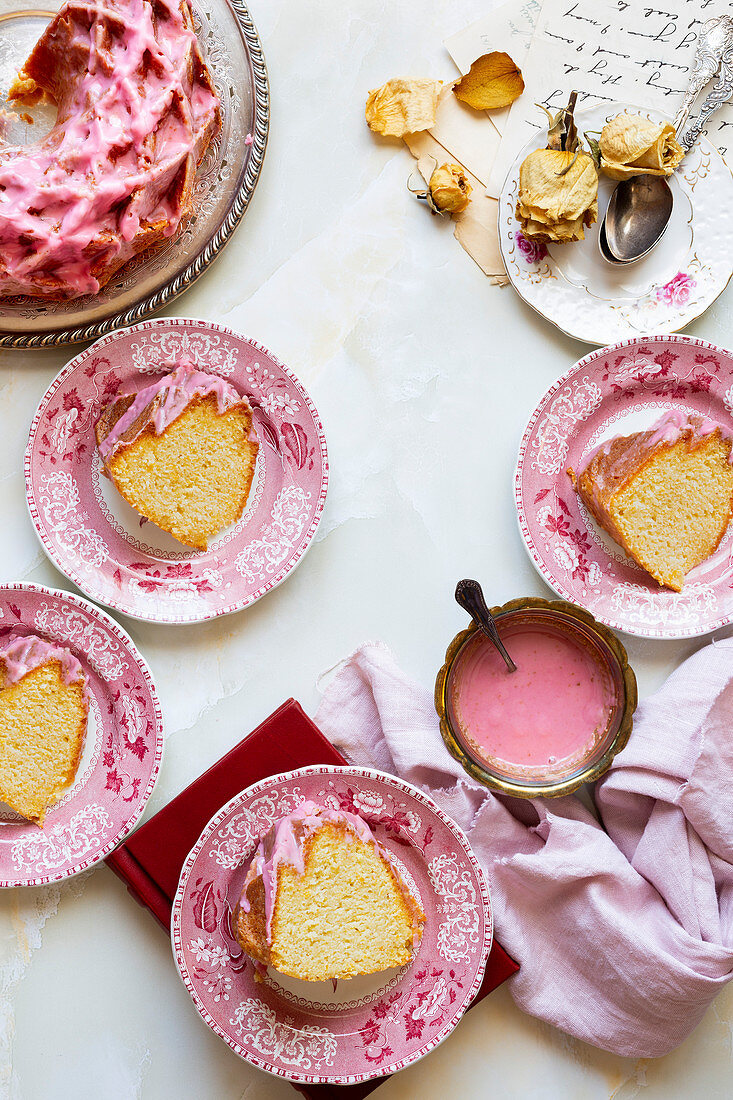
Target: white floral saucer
[{"x": 592, "y": 300}]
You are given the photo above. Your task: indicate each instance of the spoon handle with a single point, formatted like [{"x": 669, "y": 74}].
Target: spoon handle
[
  {"x": 471, "y": 598},
  {"x": 712, "y": 40},
  {"x": 721, "y": 92}
]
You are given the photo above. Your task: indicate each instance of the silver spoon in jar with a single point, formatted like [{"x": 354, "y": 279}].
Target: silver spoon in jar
[
  {"x": 640, "y": 207},
  {"x": 470, "y": 597}
]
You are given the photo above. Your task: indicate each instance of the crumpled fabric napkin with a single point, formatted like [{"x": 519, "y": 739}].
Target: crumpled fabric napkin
[{"x": 624, "y": 931}]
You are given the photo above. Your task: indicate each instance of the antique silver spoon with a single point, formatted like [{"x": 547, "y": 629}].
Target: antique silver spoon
[
  {"x": 471, "y": 598},
  {"x": 640, "y": 207}
]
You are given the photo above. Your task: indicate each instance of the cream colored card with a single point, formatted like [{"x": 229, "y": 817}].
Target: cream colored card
[
  {"x": 508, "y": 28},
  {"x": 468, "y": 135},
  {"x": 476, "y": 228},
  {"x": 609, "y": 50},
  {"x": 468, "y": 138}
]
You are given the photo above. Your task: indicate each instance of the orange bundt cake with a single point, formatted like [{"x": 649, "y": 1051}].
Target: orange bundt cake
[
  {"x": 136, "y": 112},
  {"x": 323, "y": 899},
  {"x": 664, "y": 494},
  {"x": 43, "y": 720},
  {"x": 182, "y": 451}
]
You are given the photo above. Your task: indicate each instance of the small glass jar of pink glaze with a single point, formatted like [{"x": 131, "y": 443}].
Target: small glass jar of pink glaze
[{"x": 555, "y": 723}]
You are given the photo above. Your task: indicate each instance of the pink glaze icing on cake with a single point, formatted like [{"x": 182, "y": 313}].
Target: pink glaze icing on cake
[
  {"x": 323, "y": 899},
  {"x": 163, "y": 401},
  {"x": 286, "y": 844},
  {"x": 136, "y": 112},
  {"x": 667, "y": 429},
  {"x": 665, "y": 495},
  {"x": 20, "y": 654},
  {"x": 617, "y": 458}
]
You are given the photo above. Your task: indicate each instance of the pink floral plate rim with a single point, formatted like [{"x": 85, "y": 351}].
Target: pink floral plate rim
[
  {"x": 123, "y": 747},
  {"x": 118, "y": 559},
  {"x": 295, "y": 1030},
  {"x": 615, "y": 390}
]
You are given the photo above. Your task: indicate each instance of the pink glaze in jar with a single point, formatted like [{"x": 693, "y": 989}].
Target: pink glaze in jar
[
  {"x": 558, "y": 701},
  {"x": 548, "y": 720}
]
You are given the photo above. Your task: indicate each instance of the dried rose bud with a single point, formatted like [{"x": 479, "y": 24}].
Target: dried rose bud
[
  {"x": 449, "y": 191},
  {"x": 631, "y": 145},
  {"x": 558, "y": 195}
]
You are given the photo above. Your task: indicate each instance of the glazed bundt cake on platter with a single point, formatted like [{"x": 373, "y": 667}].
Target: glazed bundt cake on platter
[{"x": 137, "y": 110}]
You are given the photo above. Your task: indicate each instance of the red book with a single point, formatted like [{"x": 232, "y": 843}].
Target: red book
[{"x": 150, "y": 861}]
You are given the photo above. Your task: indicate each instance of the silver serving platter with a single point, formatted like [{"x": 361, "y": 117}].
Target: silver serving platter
[{"x": 225, "y": 182}]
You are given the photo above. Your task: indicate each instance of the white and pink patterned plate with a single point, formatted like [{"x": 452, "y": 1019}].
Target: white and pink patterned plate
[
  {"x": 588, "y": 298},
  {"x": 615, "y": 391},
  {"x": 365, "y": 1027},
  {"x": 122, "y": 748},
  {"x": 115, "y": 556}
]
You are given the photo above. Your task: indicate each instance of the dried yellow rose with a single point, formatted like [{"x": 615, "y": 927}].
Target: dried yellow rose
[
  {"x": 558, "y": 186},
  {"x": 449, "y": 190},
  {"x": 558, "y": 195},
  {"x": 631, "y": 145},
  {"x": 493, "y": 81},
  {"x": 402, "y": 107}
]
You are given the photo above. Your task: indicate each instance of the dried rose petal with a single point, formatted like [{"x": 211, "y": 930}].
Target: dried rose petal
[
  {"x": 493, "y": 81},
  {"x": 402, "y": 107}
]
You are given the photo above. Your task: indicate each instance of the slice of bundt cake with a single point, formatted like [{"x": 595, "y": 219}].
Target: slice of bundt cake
[
  {"x": 182, "y": 451},
  {"x": 323, "y": 899},
  {"x": 664, "y": 494},
  {"x": 43, "y": 720}
]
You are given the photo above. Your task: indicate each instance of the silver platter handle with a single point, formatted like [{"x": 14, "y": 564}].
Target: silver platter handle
[{"x": 714, "y": 38}]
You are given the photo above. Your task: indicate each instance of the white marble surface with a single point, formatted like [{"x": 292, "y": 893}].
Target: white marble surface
[{"x": 424, "y": 375}]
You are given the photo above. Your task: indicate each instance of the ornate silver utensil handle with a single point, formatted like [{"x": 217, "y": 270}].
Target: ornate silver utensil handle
[
  {"x": 714, "y": 38},
  {"x": 720, "y": 93}
]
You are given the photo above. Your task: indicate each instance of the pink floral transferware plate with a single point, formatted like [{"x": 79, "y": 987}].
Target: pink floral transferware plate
[
  {"x": 122, "y": 748},
  {"x": 588, "y": 298},
  {"x": 364, "y": 1027},
  {"x": 616, "y": 391},
  {"x": 114, "y": 555}
]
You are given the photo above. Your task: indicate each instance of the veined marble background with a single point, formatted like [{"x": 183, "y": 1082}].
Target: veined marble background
[{"x": 425, "y": 376}]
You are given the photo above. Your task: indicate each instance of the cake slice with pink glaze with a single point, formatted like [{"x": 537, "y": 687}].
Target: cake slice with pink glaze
[
  {"x": 43, "y": 720},
  {"x": 323, "y": 899},
  {"x": 665, "y": 494},
  {"x": 182, "y": 452}
]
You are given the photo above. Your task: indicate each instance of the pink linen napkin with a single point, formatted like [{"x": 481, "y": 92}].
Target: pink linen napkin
[{"x": 624, "y": 931}]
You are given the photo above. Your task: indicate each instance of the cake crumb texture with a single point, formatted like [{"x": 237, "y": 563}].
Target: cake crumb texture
[
  {"x": 42, "y": 726},
  {"x": 194, "y": 478},
  {"x": 671, "y": 514},
  {"x": 344, "y": 916}
]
